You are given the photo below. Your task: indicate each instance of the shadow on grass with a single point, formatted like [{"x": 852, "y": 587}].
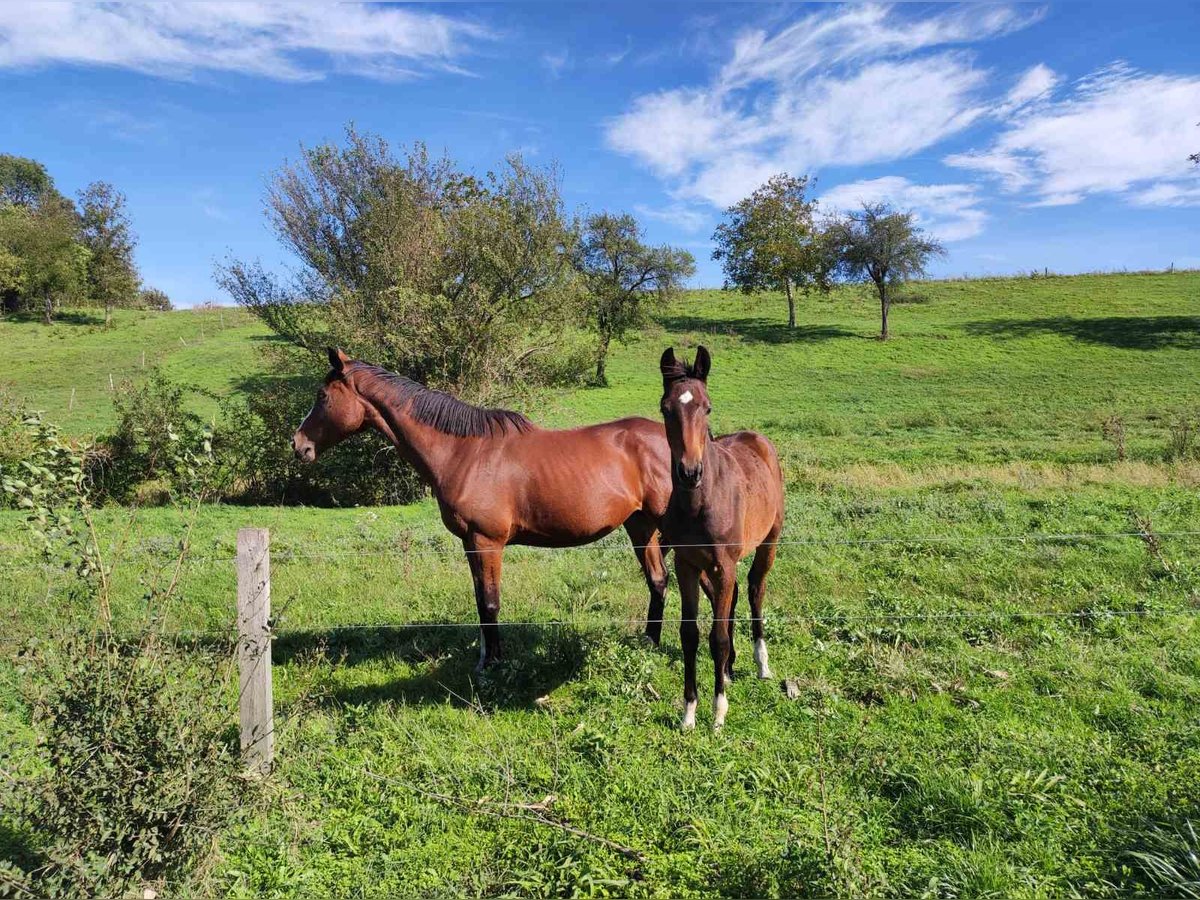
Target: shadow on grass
[
  {"x": 441, "y": 661},
  {"x": 66, "y": 317},
  {"x": 1125, "y": 332},
  {"x": 758, "y": 330}
]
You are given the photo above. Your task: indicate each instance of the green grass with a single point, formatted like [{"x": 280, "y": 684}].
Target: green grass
[
  {"x": 213, "y": 350},
  {"x": 976, "y": 717}
]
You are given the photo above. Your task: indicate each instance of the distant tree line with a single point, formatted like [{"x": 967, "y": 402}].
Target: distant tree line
[{"x": 56, "y": 253}]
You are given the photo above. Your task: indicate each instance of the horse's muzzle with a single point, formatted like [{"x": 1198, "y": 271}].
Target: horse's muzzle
[
  {"x": 689, "y": 476},
  {"x": 304, "y": 449}
]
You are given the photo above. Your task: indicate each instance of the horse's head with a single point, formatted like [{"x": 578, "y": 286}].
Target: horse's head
[
  {"x": 338, "y": 413},
  {"x": 685, "y": 410}
]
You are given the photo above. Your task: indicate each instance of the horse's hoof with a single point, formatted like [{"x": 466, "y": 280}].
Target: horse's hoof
[
  {"x": 765, "y": 674},
  {"x": 649, "y": 642},
  {"x": 689, "y": 717}
]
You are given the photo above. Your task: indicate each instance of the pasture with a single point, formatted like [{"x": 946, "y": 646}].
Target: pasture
[{"x": 986, "y": 697}]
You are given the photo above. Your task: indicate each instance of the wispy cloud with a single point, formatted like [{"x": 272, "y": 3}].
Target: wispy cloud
[
  {"x": 951, "y": 212},
  {"x": 854, "y": 85},
  {"x": 685, "y": 218},
  {"x": 285, "y": 41},
  {"x": 1119, "y": 131},
  {"x": 556, "y": 62}
]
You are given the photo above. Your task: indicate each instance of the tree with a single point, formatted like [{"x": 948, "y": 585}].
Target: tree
[
  {"x": 621, "y": 273},
  {"x": 105, "y": 230},
  {"x": 459, "y": 282},
  {"x": 883, "y": 246},
  {"x": 24, "y": 182},
  {"x": 153, "y": 298},
  {"x": 769, "y": 241},
  {"x": 46, "y": 266}
]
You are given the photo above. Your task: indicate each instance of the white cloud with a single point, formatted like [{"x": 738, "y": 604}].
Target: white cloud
[
  {"x": 824, "y": 91},
  {"x": 286, "y": 41},
  {"x": 950, "y": 212},
  {"x": 683, "y": 217},
  {"x": 1036, "y": 84},
  {"x": 1119, "y": 131}
]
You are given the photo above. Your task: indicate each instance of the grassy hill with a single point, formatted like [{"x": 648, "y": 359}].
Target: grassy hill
[
  {"x": 987, "y": 706},
  {"x": 981, "y": 371}
]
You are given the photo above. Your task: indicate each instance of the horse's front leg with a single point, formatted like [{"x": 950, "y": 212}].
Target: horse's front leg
[
  {"x": 485, "y": 557},
  {"x": 688, "y": 578},
  {"x": 724, "y": 580},
  {"x": 648, "y": 548}
]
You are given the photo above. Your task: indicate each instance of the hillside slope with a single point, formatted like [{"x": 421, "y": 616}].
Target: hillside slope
[{"x": 978, "y": 371}]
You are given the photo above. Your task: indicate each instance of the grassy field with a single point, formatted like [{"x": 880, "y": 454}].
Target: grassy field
[{"x": 993, "y": 713}]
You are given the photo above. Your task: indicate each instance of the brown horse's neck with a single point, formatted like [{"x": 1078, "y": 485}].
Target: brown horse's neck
[{"x": 428, "y": 450}]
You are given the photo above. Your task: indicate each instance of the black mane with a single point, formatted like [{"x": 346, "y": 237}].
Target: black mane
[{"x": 442, "y": 411}]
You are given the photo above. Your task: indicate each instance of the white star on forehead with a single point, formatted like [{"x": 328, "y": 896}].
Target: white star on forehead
[{"x": 685, "y": 397}]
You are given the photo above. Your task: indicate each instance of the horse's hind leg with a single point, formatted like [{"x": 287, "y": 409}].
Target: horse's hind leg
[
  {"x": 649, "y": 552},
  {"x": 485, "y": 559},
  {"x": 764, "y": 558}
]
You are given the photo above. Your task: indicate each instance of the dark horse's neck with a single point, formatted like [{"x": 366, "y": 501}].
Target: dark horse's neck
[{"x": 429, "y": 428}]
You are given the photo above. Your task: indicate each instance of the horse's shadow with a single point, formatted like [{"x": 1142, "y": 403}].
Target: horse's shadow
[{"x": 438, "y": 664}]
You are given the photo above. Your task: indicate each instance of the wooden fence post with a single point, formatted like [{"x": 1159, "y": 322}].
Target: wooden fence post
[{"x": 256, "y": 711}]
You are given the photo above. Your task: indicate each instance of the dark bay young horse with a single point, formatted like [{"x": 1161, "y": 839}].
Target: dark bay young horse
[
  {"x": 499, "y": 479},
  {"x": 726, "y": 503}
]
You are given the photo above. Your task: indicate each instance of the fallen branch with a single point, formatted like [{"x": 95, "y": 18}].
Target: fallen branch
[{"x": 530, "y": 812}]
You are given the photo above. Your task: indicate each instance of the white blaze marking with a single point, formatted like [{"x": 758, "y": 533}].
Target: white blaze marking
[
  {"x": 689, "y": 716},
  {"x": 720, "y": 707},
  {"x": 760, "y": 657},
  {"x": 685, "y": 398}
]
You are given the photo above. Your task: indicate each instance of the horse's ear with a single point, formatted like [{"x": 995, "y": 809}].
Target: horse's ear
[
  {"x": 669, "y": 366},
  {"x": 702, "y": 364},
  {"x": 337, "y": 359}
]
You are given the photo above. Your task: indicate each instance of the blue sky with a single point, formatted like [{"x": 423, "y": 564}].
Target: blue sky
[{"x": 1025, "y": 136}]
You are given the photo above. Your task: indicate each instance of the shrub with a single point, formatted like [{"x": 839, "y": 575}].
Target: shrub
[
  {"x": 133, "y": 764},
  {"x": 152, "y": 426},
  {"x": 253, "y": 446},
  {"x": 1112, "y": 429},
  {"x": 1183, "y": 436},
  {"x": 153, "y": 298},
  {"x": 137, "y": 767}
]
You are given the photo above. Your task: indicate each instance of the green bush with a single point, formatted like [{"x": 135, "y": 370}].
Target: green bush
[
  {"x": 253, "y": 447},
  {"x": 141, "y": 460},
  {"x": 136, "y": 766}
]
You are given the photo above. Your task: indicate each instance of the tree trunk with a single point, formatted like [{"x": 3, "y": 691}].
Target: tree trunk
[
  {"x": 791, "y": 304},
  {"x": 601, "y": 359},
  {"x": 107, "y": 314},
  {"x": 48, "y": 310},
  {"x": 884, "y": 303}
]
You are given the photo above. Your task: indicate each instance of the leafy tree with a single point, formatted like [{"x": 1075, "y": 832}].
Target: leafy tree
[
  {"x": 883, "y": 246},
  {"x": 621, "y": 273},
  {"x": 104, "y": 228},
  {"x": 769, "y": 241},
  {"x": 24, "y": 182},
  {"x": 153, "y": 298},
  {"x": 460, "y": 282},
  {"x": 42, "y": 266}
]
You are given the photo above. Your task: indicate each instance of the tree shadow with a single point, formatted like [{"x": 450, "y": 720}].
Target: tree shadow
[
  {"x": 1125, "y": 332},
  {"x": 757, "y": 330},
  {"x": 537, "y": 659},
  {"x": 63, "y": 317}
]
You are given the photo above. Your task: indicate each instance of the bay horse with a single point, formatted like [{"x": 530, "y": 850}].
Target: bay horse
[
  {"x": 499, "y": 479},
  {"x": 726, "y": 503}
]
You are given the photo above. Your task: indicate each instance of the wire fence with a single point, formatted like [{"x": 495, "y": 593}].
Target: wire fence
[{"x": 409, "y": 547}]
